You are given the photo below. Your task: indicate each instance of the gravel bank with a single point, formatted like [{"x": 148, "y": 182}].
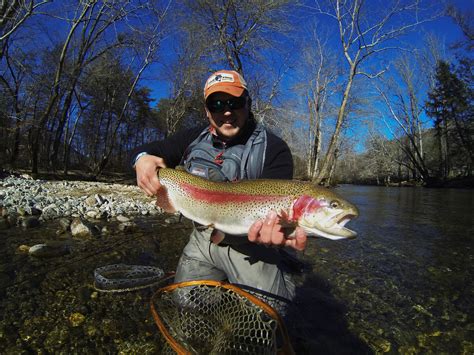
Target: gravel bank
[{"x": 22, "y": 197}]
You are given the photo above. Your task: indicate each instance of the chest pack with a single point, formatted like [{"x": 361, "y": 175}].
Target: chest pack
[{"x": 207, "y": 156}]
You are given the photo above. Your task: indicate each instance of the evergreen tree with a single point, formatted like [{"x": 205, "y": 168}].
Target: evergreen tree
[{"x": 450, "y": 105}]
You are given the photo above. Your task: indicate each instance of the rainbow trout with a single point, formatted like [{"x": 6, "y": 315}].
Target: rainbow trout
[{"x": 232, "y": 207}]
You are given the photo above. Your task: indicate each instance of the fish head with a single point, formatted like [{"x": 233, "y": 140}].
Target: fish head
[{"x": 325, "y": 215}]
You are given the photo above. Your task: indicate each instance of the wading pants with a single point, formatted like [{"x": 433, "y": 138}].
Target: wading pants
[{"x": 248, "y": 264}]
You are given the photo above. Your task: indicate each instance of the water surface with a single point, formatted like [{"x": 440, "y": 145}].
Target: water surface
[{"x": 403, "y": 286}]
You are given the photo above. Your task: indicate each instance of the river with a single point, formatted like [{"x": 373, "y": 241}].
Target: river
[{"x": 404, "y": 285}]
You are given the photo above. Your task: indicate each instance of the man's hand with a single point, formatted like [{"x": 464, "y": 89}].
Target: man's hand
[
  {"x": 146, "y": 168},
  {"x": 269, "y": 232}
]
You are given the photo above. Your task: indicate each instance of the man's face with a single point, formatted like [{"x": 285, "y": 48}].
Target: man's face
[{"x": 230, "y": 122}]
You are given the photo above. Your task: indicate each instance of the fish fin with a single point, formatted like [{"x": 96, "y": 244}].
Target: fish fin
[
  {"x": 163, "y": 201},
  {"x": 202, "y": 228},
  {"x": 217, "y": 236},
  {"x": 287, "y": 225},
  {"x": 285, "y": 221}
]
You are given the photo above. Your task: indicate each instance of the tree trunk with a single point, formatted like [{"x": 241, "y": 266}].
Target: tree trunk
[{"x": 329, "y": 158}]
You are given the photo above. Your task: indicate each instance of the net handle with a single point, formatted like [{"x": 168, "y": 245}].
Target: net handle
[{"x": 285, "y": 349}]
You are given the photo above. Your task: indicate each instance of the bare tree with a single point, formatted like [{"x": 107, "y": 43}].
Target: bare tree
[
  {"x": 464, "y": 19},
  {"x": 186, "y": 75},
  {"x": 13, "y": 14},
  {"x": 366, "y": 29},
  {"x": 401, "y": 97},
  {"x": 321, "y": 70},
  {"x": 94, "y": 31},
  {"x": 237, "y": 30}
]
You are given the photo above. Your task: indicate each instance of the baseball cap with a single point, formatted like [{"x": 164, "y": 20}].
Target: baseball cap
[{"x": 228, "y": 81}]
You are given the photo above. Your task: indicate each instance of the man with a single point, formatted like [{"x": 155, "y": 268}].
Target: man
[{"x": 232, "y": 147}]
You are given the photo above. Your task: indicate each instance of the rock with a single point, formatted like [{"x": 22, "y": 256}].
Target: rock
[
  {"x": 64, "y": 224},
  {"x": 82, "y": 229},
  {"x": 4, "y": 224},
  {"x": 90, "y": 201},
  {"x": 173, "y": 219},
  {"x": 3, "y": 211},
  {"x": 23, "y": 249},
  {"x": 126, "y": 227},
  {"x": 12, "y": 219},
  {"x": 76, "y": 319},
  {"x": 50, "y": 211},
  {"x": 100, "y": 200},
  {"x": 30, "y": 222},
  {"x": 92, "y": 214},
  {"x": 49, "y": 249},
  {"x": 122, "y": 219},
  {"x": 34, "y": 211}
]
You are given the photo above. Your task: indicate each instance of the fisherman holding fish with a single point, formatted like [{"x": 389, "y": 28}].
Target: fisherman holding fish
[{"x": 232, "y": 147}]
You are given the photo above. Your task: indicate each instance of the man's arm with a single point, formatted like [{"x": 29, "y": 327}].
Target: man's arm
[
  {"x": 171, "y": 149},
  {"x": 149, "y": 158}
]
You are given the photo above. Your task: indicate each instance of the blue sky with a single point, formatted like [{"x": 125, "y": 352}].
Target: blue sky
[{"x": 443, "y": 27}]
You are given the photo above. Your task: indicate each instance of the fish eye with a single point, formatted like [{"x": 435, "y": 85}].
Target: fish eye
[{"x": 334, "y": 204}]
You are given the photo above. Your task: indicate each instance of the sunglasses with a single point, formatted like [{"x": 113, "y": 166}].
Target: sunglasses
[{"x": 234, "y": 103}]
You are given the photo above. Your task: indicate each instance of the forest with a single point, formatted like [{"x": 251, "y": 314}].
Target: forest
[{"x": 363, "y": 91}]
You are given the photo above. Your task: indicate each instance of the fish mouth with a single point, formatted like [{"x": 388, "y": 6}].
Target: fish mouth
[
  {"x": 341, "y": 224},
  {"x": 336, "y": 228}
]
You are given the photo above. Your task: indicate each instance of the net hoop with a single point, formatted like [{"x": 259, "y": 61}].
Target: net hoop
[{"x": 286, "y": 348}]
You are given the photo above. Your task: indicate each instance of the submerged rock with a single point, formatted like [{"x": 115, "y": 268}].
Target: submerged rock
[
  {"x": 127, "y": 226},
  {"x": 76, "y": 319},
  {"x": 23, "y": 249},
  {"x": 4, "y": 223},
  {"x": 30, "y": 222},
  {"x": 64, "y": 224},
  {"x": 82, "y": 229},
  {"x": 49, "y": 249}
]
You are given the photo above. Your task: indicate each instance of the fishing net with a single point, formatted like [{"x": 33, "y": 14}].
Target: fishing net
[
  {"x": 212, "y": 317},
  {"x": 122, "y": 277}
]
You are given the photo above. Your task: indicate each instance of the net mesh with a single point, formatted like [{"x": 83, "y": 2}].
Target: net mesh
[{"x": 210, "y": 317}]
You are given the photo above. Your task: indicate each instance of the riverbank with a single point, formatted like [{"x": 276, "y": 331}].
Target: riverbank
[
  {"x": 54, "y": 234},
  {"x": 27, "y": 202}
]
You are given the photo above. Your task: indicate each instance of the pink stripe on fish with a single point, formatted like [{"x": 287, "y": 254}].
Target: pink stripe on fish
[
  {"x": 304, "y": 204},
  {"x": 223, "y": 197}
]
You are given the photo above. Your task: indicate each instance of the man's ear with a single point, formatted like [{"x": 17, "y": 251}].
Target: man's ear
[{"x": 208, "y": 114}]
